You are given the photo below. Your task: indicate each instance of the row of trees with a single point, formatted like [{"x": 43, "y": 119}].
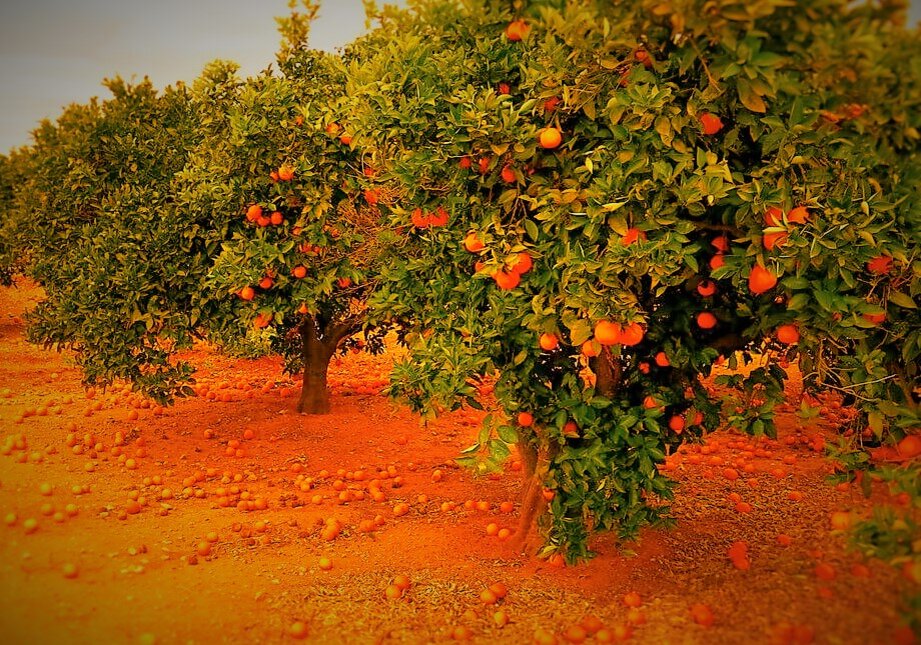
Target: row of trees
[{"x": 588, "y": 203}]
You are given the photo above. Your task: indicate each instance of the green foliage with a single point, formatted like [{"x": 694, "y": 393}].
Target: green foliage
[{"x": 818, "y": 107}]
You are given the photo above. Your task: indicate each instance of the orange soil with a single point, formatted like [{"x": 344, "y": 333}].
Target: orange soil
[{"x": 139, "y": 579}]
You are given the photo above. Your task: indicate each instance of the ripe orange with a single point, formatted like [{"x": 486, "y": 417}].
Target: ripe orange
[
  {"x": 507, "y": 280},
  {"x": 633, "y": 235},
  {"x": 525, "y": 419},
  {"x": 770, "y": 240},
  {"x": 253, "y": 213},
  {"x": 393, "y": 592},
  {"x": 676, "y": 423},
  {"x": 711, "y": 123},
  {"x": 517, "y": 30},
  {"x": 508, "y": 175},
  {"x": 720, "y": 243},
  {"x": 286, "y": 172},
  {"x": 702, "y": 614},
  {"x": 880, "y": 265},
  {"x": 276, "y": 218},
  {"x": 773, "y": 216},
  {"x": 548, "y": 342},
  {"x": 299, "y": 271},
  {"x": 473, "y": 243},
  {"x": 650, "y": 402},
  {"x": 590, "y": 349},
  {"x": 266, "y": 283},
  {"x": 798, "y": 215},
  {"x": 371, "y": 196},
  {"x": 706, "y": 288},
  {"x": 465, "y": 162},
  {"x": 550, "y": 138},
  {"x": 632, "y": 334},
  {"x": 787, "y": 334},
  {"x": 662, "y": 359},
  {"x": 247, "y": 293},
  {"x": 298, "y": 630},
  {"x": 632, "y": 599},
  {"x": 706, "y": 320},
  {"x": 571, "y": 429},
  {"x": 875, "y": 318},
  {"x": 717, "y": 261},
  {"x": 345, "y": 139},
  {"x": 522, "y": 263},
  {"x": 910, "y": 446},
  {"x": 842, "y": 520},
  {"x": 575, "y": 634},
  {"x": 608, "y": 333},
  {"x": 760, "y": 280}
]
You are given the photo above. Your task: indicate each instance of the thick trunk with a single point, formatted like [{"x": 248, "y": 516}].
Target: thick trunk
[
  {"x": 316, "y": 352},
  {"x": 607, "y": 373},
  {"x": 533, "y": 503}
]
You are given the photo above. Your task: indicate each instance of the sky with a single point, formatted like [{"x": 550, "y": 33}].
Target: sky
[{"x": 56, "y": 52}]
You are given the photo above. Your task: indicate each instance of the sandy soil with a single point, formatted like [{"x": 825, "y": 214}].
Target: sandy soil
[{"x": 125, "y": 507}]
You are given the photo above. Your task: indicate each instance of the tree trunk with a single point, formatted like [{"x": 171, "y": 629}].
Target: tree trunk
[
  {"x": 607, "y": 372},
  {"x": 316, "y": 353}
]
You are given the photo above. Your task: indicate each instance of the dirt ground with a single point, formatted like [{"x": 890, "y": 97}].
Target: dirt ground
[{"x": 204, "y": 523}]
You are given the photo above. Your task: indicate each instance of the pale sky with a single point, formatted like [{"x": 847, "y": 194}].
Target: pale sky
[{"x": 56, "y": 52}]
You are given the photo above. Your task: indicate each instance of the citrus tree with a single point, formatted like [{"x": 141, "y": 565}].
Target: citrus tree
[
  {"x": 633, "y": 193},
  {"x": 305, "y": 244},
  {"x": 91, "y": 216},
  {"x": 230, "y": 211}
]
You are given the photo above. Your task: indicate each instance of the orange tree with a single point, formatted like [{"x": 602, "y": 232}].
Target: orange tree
[
  {"x": 91, "y": 217},
  {"x": 305, "y": 243},
  {"x": 229, "y": 211},
  {"x": 631, "y": 193}
]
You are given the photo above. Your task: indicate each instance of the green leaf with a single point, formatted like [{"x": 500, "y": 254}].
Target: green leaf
[
  {"x": 902, "y": 300},
  {"x": 749, "y": 97}
]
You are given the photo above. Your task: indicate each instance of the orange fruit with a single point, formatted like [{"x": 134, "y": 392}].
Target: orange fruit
[
  {"x": 650, "y": 402},
  {"x": 591, "y": 624},
  {"x": 720, "y": 243},
  {"x": 575, "y": 634},
  {"x": 297, "y": 630},
  {"x": 522, "y": 263},
  {"x": 702, "y": 614},
  {"x": 910, "y": 446},
  {"x": 824, "y": 571},
  {"x": 525, "y": 419},
  {"x": 401, "y": 582},
  {"x": 717, "y": 261},
  {"x": 787, "y": 334},
  {"x": 299, "y": 271},
  {"x": 770, "y": 240},
  {"x": 590, "y": 349},
  {"x": 393, "y": 592},
  {"x": 632, "y": 235},
  {"x": 508, "y": 175},
  {"x": 286, "y": 172},
  {"x": 706, "y": 288},
  {"x": 499, "y": 589},
  {"x": 507, "y": 280},
  {"x": 345, "y": 139},
  {"x": 473, "y": 243},
  {"x": 880, "y": 265},
  {"x": 548, "y": 342},
  {"x": 798, "y": 215},
  {"x": 661, "y": 359},
  {"x": 517, "y": 30},
  {"x": 760, "y": 280},
  {"x": 632, "y": 599},
  {"x": 711, "y": 123},
  {"x": 550, "y": 138},
  {"x": 676, "y": 423},
  {"x": 773, "y": 216},
  {"x": 570, "y": 429},
  {"x": 706, "y": 320},
  {"x": 247, "y": 293},
  {"x": 253, "y": 213},
  {"x": 842, "y": 520},
  {"x": 608, "y": 333},
  {"x": 632, "y": 334},
  {"x": 277, "y": 218}
]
